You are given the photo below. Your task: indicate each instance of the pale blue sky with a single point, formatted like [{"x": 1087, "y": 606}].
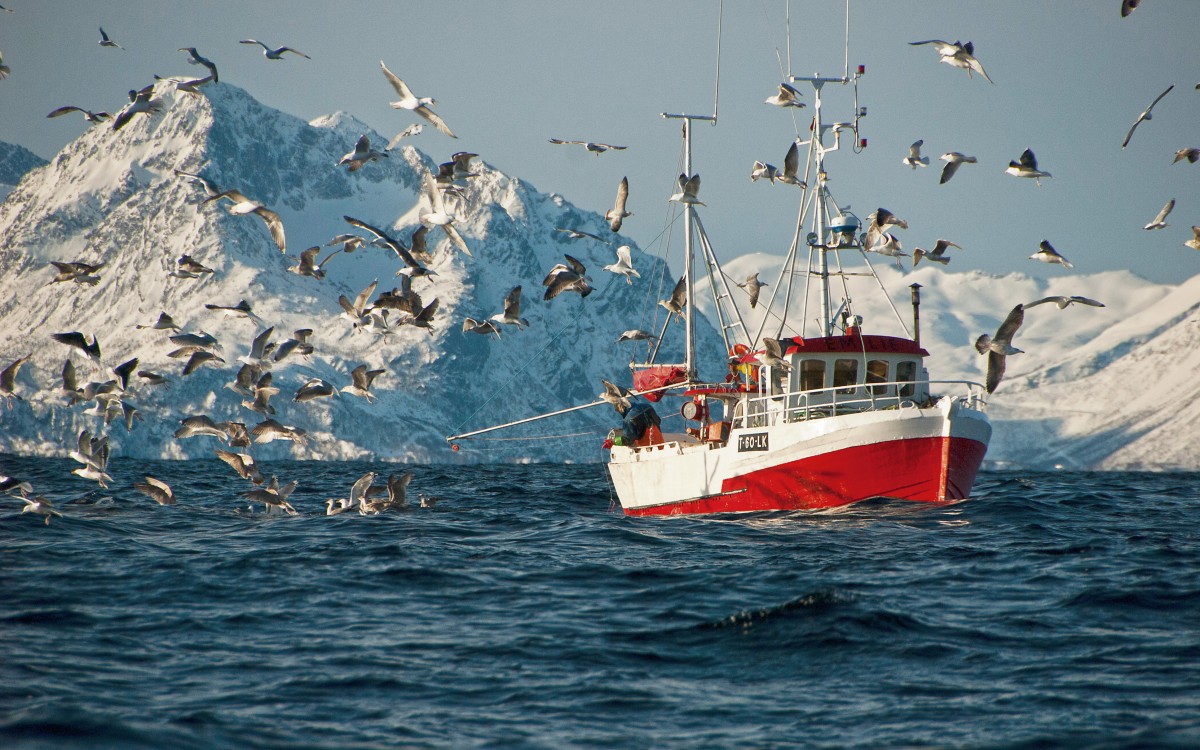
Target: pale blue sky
[{"x": 1071, "y": 77}]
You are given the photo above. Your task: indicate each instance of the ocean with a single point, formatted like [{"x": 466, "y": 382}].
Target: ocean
[{"x": 525, "y": 611}]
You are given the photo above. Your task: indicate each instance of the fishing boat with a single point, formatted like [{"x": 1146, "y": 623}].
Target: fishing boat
[{"x": 820, "y": 416}]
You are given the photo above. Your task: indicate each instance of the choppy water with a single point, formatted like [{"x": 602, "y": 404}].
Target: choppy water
[{"x": 1051, "y": 610}]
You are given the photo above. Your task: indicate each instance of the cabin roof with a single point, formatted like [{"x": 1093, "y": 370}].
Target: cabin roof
[{"x": 855, "y": 344}]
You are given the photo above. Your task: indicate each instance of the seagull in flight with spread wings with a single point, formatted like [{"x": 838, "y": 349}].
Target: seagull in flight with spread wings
[
  {"x": 594, "y": 147},
  {"x": 410, "y": 101},
  {"x": 243, "y": 205},
  {"x": 1145, "y": 115},
  {"x": 998, "y": 347},
  {"x": 275, "y": 53}
]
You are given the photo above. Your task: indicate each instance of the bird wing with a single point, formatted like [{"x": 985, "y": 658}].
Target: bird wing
[
  {"x": 561, "y": 142},
  {"x": 275, "y": 225},
  {"x": 622, "y": 196},
  {"x": 791, "y": 162},
  {"x": 435, "y": 195},
  {"x": 1009, "y": 327},
  {"x": 360, "y": 302},
  {"x": 948, "y": 171},
  {"x": 679, "y": 293},
  {"x": 995, "y": 370},
  {"x": 65, "y": 110},
  {"x": 512, "y": 303},
  {"x": 1029, "y": 161},
  {"x": 1166, "y": 209},
  {"x": 402, "y": 89},
  {"x": 456, "y": 238},
  {"x": 435, "y": 120},
  {"x": 624, "y": 254},
  {"x": 576, "y": 266}
]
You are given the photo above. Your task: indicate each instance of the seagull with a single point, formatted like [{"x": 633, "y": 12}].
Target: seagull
[
  {"x": 269, "y": 430},
  {"x": 615, "y": 395},
  {"x": 90, "y": 116},
  {"x": 195, "y": 58},
  {"x": 243, "y": 205},
  {"x": 199, "y": 339},
  {"x": 615, "y": 215},
  {"x": 297, "y": 343},
  {"x": 998, "y": 347},
  {"x": 1027, "y": 166},
  {"x": 358, "y": 311},
  {"x": 887, "y": 244},
  {"x": 139, "y": 103},
  {"x": 76, "y": 339},
  {"x": 210, "y": 187},
  {"x": 361, "y": 154},
  {"x": 410, "y": 101},
  {"x": 199, "y": 358},
  {"x": 314, "y": 388},
  {"x": 1047, "y": 254},
  {"x": 349, "y": 242},
  {"x": 360, "y": 382},
  {"x": 186, "y": 85},
  {"x": 791, "y": 166},
  {"x": 1160, "y": 221},
  {"x": 578, "y": 234},
  {"x": 308, "y": 264},
  {"x": 1128, "y": 6},
  {"x": 273, "y": 496},
  {"x": 635, "y": 334},
  {"x": 76, "y": 271},
  {"x": 936, "y": 255},
  {"x": 786, "y": 96},
  {"x": 187, "y": 267},
  {"x": 772, "y": 355},
  {"x": 763, "y": 171},
  {"x": 106, "y": 42},
  {"x": 240, "y": 310},
  {"x": 483, "y": 327},
  {"x": 412, "y": 267},
  {"x": 243, "y": 464},
  {"x": 260, "y": 349},
  {"x": 1191, "y": 154},
  {"x": 571, "y": 277},
  {"x": 1064, "y": 302},
  {"x": 512, "y": 310},
  {"x": 624, "y": 265},
  {"x": 914, "y": 158},
  {"x": 8, "y": 380},
  {"x": 1194, "y": 242},
  {"x": 953, "y": 160},
  {"x": 440, "y": 216},
  {"x": 277, "y": 52},
  {"x": 39, "y": 505},
  {"x": 423, "y": 318},
  {"x": 411, "y": 130},
  {"x": 199, "y": 424},
  {"x": 752, "y": 286},
  {"x": 93, "y": 454},
  {"x": 157, "y": 490},
  {"x": 678, "y": 299},
  {"x": 1145, "y": 115},
  {"x": 595, "y": 148},
  {"x": 4, "y": 69},
  {"x": 957, "y": 55},
  {"x": 689, "y": 187}
]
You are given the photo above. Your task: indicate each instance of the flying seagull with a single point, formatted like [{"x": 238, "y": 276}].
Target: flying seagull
[
  {"x": 1128, "y": 6},
  {"x": 615, "y": 395},
  {"x": 140, "y": 102},
  {"x": 936, "y": 255},
  {"x": 440, "y": 216},
  {"x": 594, "y": 147},
  {"x": 8, "y": 380},
  {"x": 1027, "y": 166},
  {"x": 76, "y": 340},
  {"x": 678, "y": 299},
  {"x": 1194, "y": 242},
  {"x": 578, "y": 234},
  {"x": 752, "y": 286},
  {"x": 786, "y": 96},
  {"x": 624, "y": 265},
  {"x": 689, "y": 188},
  {"x": 1191, "y": 154},
  {"x": 953, "y": 161},
  {"x": 195, "y": 58},
  {"x": 482, "y": 327},
  {"x": 1047, "y": 254},
  {"x": 998, "y": 347},
  {"x": 90, "y": 116},
  {"x": 617, "y": 213},
  {"x": 1064, "y": 302},
  {"x": 1160, "y": 221},
  {"x": 410, "y": 101},
  {"x": 157, "y": 490},
  {"x": 958, "y": 55},
  {"x": 914, "y": 158},
  {"x": 360, "y": 382},
  {"x": 275, "y": 53},
  {"x": 4, "y": 71},
  {"x": 106, "y": 42},
  {"x": 411, "y": 130},
  {"x": 243, "y": 205},
  {"x": 635, "y": 334},
  {"x": 361, "y": 154},
  {"x": 571, "y": 277},
  {"x": 512, "y": 310},
  {"x": 1145, "y": 115}
]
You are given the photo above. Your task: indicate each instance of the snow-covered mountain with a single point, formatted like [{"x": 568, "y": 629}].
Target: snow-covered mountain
[
  {"x": 113, "y": 197},
  {"x": 15, "y": 162}
]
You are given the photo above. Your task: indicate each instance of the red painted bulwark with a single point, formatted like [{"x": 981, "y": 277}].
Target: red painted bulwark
[
  {"x": 927, "y": 469},
  {"x": 872, "y": 344}
]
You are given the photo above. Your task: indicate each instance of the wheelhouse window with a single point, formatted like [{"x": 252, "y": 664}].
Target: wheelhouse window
[
  {"x": 812, "y": 374},
  {"x": 877, "y": 372},
  {"x": 845, "y": 375},
  {"x": 906, "y": 374}
]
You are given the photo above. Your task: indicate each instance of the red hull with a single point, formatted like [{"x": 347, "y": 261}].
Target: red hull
[{"x": 935, "y": 469}]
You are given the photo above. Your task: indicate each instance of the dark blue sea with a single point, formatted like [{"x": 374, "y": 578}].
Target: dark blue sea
[{"x": 525, "y": 611}]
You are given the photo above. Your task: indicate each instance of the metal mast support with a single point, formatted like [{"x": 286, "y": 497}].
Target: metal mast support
[{"x": 689, "y": 314}]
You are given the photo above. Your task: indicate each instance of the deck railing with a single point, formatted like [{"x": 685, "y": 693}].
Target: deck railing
[{"x": 802, "y": 405}]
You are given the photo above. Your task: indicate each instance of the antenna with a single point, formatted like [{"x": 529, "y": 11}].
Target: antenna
[
  {"x": 846, "y": 74},
  {"x": 717, "y": 84}
]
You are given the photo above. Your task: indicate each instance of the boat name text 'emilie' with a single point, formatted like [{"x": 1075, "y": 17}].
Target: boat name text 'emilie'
[{"x": 754, "y": 442}]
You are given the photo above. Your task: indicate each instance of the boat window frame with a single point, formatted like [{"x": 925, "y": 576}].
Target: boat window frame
[
  {"x": 876, "y": 384},
  {"x": 805, "y": 373},
  {"x": 845, "y": 383},
  {"x": 906, "y": 386}
]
